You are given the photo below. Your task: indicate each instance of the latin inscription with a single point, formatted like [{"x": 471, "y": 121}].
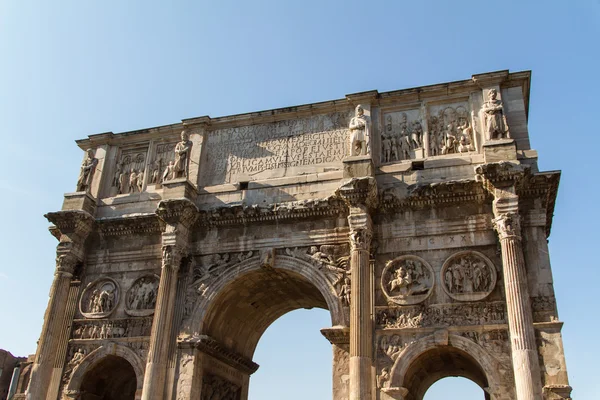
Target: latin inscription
[{"x": 250, "y": 150}]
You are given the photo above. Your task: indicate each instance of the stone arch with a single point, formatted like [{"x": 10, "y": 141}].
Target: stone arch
[
  {"x": 482, "y": 367},
  {"x": 99, "y": 354},
  {"x": 297, "y": 278}
]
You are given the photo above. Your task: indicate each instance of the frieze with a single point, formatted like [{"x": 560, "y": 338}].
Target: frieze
[
  {"x": 110, "y": 329},
  {"x": 468, "y": 276},
  {"x": 244, "y": 214},
  {"x": 100, "y": 298},
  {"x": 544, "y": 308},
  {"x": 407, "y": 280},
  {"x": 442, "y": 315}
]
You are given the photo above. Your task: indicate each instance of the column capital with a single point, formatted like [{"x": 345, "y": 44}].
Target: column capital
[
  {"x": 171, "y": 256},
  {"x": 508, "y": 225},
  {"x": 360, "y": 194},
  {"x": 71, "y": 228},
  {"x": 361, "y": 231}
]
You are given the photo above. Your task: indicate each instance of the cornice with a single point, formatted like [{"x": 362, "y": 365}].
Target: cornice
[
  {"x": 123, "y": 226},
  {"x": 545, "y": 186},
  {"x": 433, "y": 194},
  {"x": 212, "y": 347},
  {"x": 338, "y": 335},
  {"x": 241, "y": 214}
]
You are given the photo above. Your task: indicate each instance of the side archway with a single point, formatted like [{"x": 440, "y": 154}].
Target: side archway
[
  {"x": 434, "y": 357},
  {"x": 110, "y": 351}
]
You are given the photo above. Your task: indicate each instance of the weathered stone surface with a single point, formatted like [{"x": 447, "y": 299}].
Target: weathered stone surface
[{"x": 418, "y": 218}]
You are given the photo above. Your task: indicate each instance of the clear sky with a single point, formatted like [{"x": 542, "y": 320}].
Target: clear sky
[{"x": 73, "y": 68}]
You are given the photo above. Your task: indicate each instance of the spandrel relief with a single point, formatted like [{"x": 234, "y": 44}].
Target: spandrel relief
[
  {"x": 402, "y": 136},
  {"x": 281, "y": 148},
  {"x": 407, "y": 280},
  {"x": 468, "y": 276},
  {"x": 141, "y": 297},
  {"x": 129, "y": 173},
  {"x": 216, "y": 388},
  {"x": 99, "y": 299},
  {"x": 450, "y": 129}
]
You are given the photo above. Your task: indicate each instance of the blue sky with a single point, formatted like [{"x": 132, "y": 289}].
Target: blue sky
[{"x": 73, "y": 68}]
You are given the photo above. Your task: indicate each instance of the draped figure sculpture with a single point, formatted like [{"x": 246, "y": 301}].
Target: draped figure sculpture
[{"x": 360, "y": 133}]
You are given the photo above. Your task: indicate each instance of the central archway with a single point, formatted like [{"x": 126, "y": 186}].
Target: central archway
[{"x": 243, "y": 302}]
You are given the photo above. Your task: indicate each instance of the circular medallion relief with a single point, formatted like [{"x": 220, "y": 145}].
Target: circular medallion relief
[
  {"x": 99, "y": 298},
  {"x": 407, "y": 280},
  {"x": 141, "y": 297},
  {"x": 468, "y": 276}
]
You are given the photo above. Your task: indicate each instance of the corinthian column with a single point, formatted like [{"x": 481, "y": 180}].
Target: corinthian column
[
  {"x": 73, "y": 227},
  {"x": 361, "y": 325},
  {"x": 176, "y": 217},
  {"x": 361, "y": 196},
  {"x": 502, "y": 180}
]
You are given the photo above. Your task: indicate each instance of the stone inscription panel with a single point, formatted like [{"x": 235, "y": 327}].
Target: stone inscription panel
[{"x": 283, "y": 148}]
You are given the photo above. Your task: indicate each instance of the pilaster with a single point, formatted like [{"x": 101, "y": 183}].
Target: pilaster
[{"x": 72, "y": 229}]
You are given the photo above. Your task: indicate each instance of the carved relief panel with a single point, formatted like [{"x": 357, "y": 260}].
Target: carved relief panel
[
  {"x": 264, "y": 150},
  {"x": 99, "y": 299},
  {"x": 468, "y": 276},
  {"x": 216, "y": 388},
  {"x": 129, "y": 172},
  {"x": 407, "y": 280},
  {"x": 141, "y": 297},
  {"x": 451, "y": 129},
  {"x": 401, "y": 136},
  {"x": 162, "y": 163}
]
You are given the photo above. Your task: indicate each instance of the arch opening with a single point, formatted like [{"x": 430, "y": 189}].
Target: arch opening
[
  {"x": 244, "y": 308},
  {"x": 112, "y": 378},
  {"x": 438, "y": 363},
  {"x": 454, "y": 388}
]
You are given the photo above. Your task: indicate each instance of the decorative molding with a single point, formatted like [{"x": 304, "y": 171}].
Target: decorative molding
[
  {"x": 124, "y": 226},
  {"x": 212, "y": 347}
]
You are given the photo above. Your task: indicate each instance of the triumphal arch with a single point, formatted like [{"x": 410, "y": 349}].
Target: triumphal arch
[{"x": 417, "y": 217}]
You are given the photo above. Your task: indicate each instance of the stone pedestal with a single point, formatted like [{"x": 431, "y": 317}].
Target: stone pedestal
[
  {"x": 79, "y": 201},
  {"x": 179, "y": 188},
  {"x": 500, "y": 150},
  {"x": 358, "y": 166}
]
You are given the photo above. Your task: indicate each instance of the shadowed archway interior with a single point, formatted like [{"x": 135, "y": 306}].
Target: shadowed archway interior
[
  {"x": 113, "y": 378},
  {"x": 246, "y": 307},
  {"x": 441, "y": 362}
]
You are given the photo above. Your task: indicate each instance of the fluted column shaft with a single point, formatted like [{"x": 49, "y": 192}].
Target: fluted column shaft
[
  {"x": 361, "y": 325},
  {"x": 520, "y": 321},
  {"x": 52, "y": 330},
  {"x": 156, "y": 366}
]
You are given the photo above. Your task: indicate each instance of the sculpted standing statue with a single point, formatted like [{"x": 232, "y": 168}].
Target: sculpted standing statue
[
  {"x": 495, "y": 124},
  {"x": 360, "y": 133},
  {"x": 182, "y": 157},
  {"x": 84, "y": 182}
]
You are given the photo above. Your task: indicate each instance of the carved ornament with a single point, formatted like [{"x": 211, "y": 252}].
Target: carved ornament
[
  {"x": 208, "y": 345},
  {"x": 501, "y": 174},
  {"x": 141, "y": 296},
  {"x": 111, "y": 329},
  {"x": 442, "y": 315},
  {"x": 99, "y": 298},
  {"x": 246, "y": 214},
  {"x": 124, "y": 226},
  {"x": 217, "y": 388},
  {"x": 468, "y": 276},
  {"x": 407, "y": 280},
  {"x": 75, "y": 224},
  {"x": 177, "y": 211},
  {"x": 508, "y": 225},
  {"x": 359, "y": 193}
]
